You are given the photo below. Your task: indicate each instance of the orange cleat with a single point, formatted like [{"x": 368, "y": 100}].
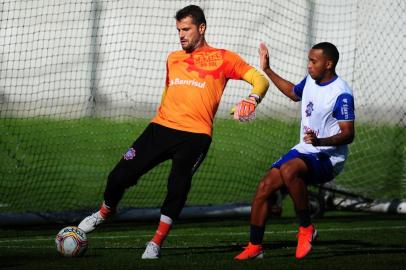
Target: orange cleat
[
  {"x": 250, "y": 252},
  {"x": 305, "y": 237}
]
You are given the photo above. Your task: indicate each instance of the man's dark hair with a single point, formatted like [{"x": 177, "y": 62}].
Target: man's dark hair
[
  {"x": 193, "y": 11},
  {"x": 329, "y": 50}
]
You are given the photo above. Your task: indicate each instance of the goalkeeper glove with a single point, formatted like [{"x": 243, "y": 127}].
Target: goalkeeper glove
[{"x": 245, "y": 109}]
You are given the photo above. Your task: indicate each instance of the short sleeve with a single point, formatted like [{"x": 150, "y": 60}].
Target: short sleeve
[
  {"x": 298, "y": 88},
  {"x": 236, "y": 67},
  {"x": 344, "y": 108}
]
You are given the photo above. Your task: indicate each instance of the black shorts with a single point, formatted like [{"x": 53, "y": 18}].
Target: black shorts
[{"x": 157, "y": 144}]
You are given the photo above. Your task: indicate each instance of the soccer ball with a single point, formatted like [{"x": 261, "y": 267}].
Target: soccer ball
[{"x": 71, "y": 242}]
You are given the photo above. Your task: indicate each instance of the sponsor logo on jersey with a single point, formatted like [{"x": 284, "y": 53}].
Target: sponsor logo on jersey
[
  {"x": 194, "y": 83},
  {"x": 345, "y": 109},
  {"x": 208, "y": 60},
  {"x": 207, "y": 63}
]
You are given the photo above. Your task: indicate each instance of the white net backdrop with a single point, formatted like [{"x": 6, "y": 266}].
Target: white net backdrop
[{"x": 73, "y": 60}]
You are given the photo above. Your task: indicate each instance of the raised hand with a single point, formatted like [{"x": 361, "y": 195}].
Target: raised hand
[{"x": 263, "y": 56}]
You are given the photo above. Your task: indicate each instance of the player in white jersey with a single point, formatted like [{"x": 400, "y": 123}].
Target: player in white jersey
[{"x": 327, "y": 127}]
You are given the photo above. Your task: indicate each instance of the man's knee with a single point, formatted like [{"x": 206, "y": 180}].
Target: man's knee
[
  {"x": 293, "y": 170},
  {"x": 122, "y": 176},
  {"x": 118, "y": 181},
  {"x": 265, "y": 187},
  {"x": 173, "y": 205},
  {"x": 288, "y": 174}
]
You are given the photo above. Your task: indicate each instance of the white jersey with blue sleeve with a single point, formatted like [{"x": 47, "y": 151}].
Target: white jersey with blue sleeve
[{"x": 323, "y": 106}]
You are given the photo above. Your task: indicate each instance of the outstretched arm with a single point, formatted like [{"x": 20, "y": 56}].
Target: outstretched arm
[
  {"x": 283, "y": 85},
  {"x": 245, "y": 109},
  {"x": 259, "y": 83}
]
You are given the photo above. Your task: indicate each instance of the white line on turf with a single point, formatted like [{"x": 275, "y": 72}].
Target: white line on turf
[{"x": 210, "y": 234}]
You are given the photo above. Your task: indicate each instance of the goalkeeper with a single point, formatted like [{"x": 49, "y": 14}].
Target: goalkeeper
[
  {"x": 182, "y": 128},
  {"x": 327, "y": 126}
]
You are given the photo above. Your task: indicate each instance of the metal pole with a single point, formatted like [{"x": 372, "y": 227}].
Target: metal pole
[
  {"x": 310, "y": 25},
  {"x": 94, "y": 55}
]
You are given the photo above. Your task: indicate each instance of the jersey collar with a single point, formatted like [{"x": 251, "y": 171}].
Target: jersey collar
[{"x": 328, "y": 82}]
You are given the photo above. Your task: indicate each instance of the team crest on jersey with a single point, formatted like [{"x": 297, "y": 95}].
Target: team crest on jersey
[
  {"x": 309, "y": 109},
  {"x": 130, "y": 154}
]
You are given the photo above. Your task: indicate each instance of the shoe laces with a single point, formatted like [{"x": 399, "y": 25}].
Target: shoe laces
[
  {"x": 151, "y": 248},
  {"x": 94, "y": 218},
  {"x": 305, "y": 233},
  {"x": 252, "y": 247}
]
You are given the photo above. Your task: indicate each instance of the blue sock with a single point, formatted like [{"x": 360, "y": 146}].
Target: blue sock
[
  {"x": 256, "y": 234},
  {"x": 304, "y": 217}
]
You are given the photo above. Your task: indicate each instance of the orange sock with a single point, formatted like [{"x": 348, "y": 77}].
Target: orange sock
[
  {"x": 163, "y": 230},
  {"x": 105, "y": 211}
]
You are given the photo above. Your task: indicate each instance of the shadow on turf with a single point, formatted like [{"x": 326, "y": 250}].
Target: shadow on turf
[
  {"x": 325, "y": 249},
  {"x": 337, "y": 248},
  {"x": 322, "y": 249}
]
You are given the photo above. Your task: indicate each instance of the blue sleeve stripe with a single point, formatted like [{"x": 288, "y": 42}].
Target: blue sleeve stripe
[
  {"x": 298, "y": 88},
  {"x": 344, "y": 108}
]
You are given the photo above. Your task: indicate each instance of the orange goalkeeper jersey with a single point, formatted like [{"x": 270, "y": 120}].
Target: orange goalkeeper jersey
[{"x": 194, "y": 85}]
